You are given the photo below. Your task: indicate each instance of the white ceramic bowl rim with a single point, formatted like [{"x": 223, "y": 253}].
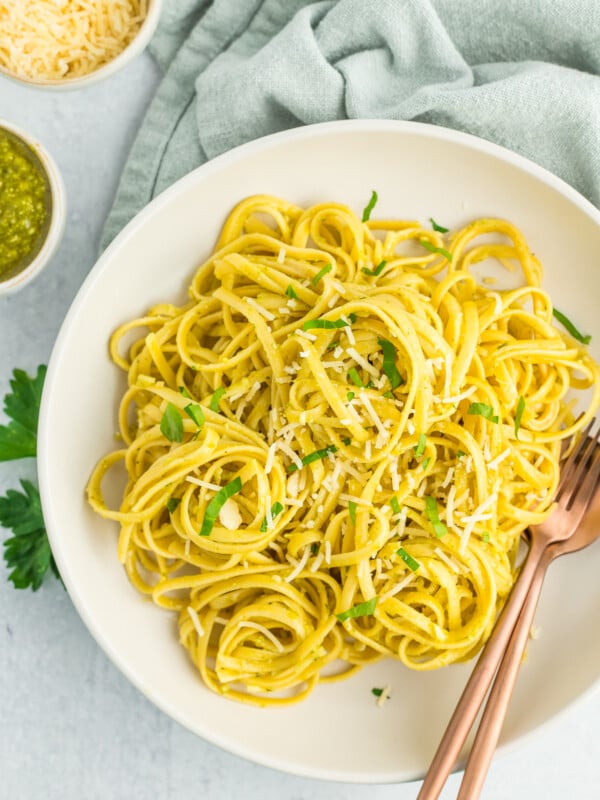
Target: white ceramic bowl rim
[
  {"x": 130, "y": 231},
  {"x": 58, "y": 212},
  {"x": 133, "y": 49}
]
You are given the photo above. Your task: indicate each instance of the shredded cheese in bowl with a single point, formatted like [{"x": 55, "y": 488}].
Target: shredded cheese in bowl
[{"x": 61, "y": 41}]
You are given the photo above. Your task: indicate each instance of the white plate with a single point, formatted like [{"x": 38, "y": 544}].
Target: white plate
[{"x": 419, "y": 171}]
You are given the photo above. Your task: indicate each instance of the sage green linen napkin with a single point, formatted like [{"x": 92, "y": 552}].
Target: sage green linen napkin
[{"x": 523, "y": 74}]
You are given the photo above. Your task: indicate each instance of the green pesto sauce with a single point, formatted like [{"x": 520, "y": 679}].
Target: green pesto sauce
[{"x": 24, "y": 205}]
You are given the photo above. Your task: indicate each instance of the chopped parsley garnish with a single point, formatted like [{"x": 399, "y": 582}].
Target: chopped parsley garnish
[
  {"x": 291, "y": 293},
  {"x": 216, "y": 504},
  {"x": 568, "y": 325},
  {"x": 321, "y": 274},
  {"x": 216, "y": 399},
  {"x": 185, "y": 392},
  {"x": 27, "y": 553},
  {"x": 433, "y": 249},
  {"x": 377, "y": 692},
  {"x": 352, "y": 511},
  {"x": 366, "y": 215},
  {"x": 389, "y": 363},
  {"x": 376, "y": 270},
  {"x": 172, "y": 504},
  {"x": 408, "y": 559},
  {"x": 436, "y": 227},
  {"x": 483, "y": 410},
  {"x": 276, "y": 509},
  {"x": 328, "y": 324},
  {"x": 485, "y": 536},
  {"x": 460, "y": 453},
  {"x": 316, "y": 456},
  {"x": 355, "y": 377},
  {"x": 18, "y": 439},
  {"x": 519, "y": 415},
  {"x": 350, "y": 396},
  {"x": 395, "y": 505},
  {"x": 360, "y": 610},
  {"x": 332, "y": 345},
  {"x": 425, "y": 463},
  {"x": 314, "y": 548},
  {"x": 171, "y": 424},
  {"x": 431, "y": 508},
  {"x": 389, "y": 395},
  {"x": 347, "y": 441},
  {"x": 195, "y": 412},
  {"x": 420, "y": 448}
]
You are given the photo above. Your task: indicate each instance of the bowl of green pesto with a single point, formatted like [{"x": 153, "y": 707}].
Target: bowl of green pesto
[{"x": 32, "y": 208}]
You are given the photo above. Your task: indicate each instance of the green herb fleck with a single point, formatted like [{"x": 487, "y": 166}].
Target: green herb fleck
[
  {"x": 352, "y": 511},
  {"x": 485, "y": 536},
  {"x": 433, "y": 249},
  {"x": 347, "y": 441},
  {"x": 377, "y": 692},
  {"x": 290, "y": 292},
  {"x": 350, "y": 396},
  {"x": 460, "y": 453},
  {"x": 316, "y": 456},
  {"x": 389, "y": 395},
  {"x": 328, "y": 324},
  {"x": 389, "y": 363},
  {"x": 185, "y": 392},
  {"x": 332, "y": 346},
  {"x": 321, "y": 274},
  {"x": 355, "y": 377},
  {"x": 366, "y": 215},
  {"x": 431, "y": 509},
  {"x": 171, "y": 424},
  {"x": 360, "y": 610},
  {"x": 376, "y": 270},
  {"x": 425, "y": 463},
  {"x": 395, "y": 506},
  {"x": 276, "y": 509},
  {"x": 172, "y": 504},
  {"x": 436, "y": 227},
  {"x": 314, "y": 548},
  {"x": 483, "y": 410},
  {"x": 568, "y": 325},
  {"x": 195, "y": 412},
  {"x": 216, "y": 399},
  {"x": 519, "y": 415},
  {"x": 216, "y": 504},
  {"x": 420, "y": 448},
  {"x": 408, "y": 559}
]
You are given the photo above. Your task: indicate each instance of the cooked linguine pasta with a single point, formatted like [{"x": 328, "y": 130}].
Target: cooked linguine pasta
[{"x": 333, "y": 448}]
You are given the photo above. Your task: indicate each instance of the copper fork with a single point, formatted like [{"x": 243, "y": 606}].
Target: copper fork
[
  {"x": 501, "y": 692},
  {"x": 579, "y": 479}
]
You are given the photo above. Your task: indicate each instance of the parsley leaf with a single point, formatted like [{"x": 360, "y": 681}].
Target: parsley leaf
[
  {"x": 410, "y": 562},
  {"x": 18, "y": 439},
  {"x": 316, "y": 456},
  {"x": 216, "y": 399},
  {"x": 172, "y": 504},
  {"x": 431, "y": 508},
  {"x": 327, "y": 324},
  {"x": 519, "y": 415},
  {"x": 389, "y": 363},
  {"x": 290, "y": 292},
  {"x": 27, "y": 553}
]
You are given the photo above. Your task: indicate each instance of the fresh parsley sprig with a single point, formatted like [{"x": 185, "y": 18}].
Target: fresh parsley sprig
[{"x": 18, "y": 439}]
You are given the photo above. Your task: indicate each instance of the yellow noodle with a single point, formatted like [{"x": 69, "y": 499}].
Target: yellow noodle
[{"x": 412, "y": 505}]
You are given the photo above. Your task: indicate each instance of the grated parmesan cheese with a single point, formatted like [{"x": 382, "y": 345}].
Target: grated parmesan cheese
[{"x": 48, "y": 40}]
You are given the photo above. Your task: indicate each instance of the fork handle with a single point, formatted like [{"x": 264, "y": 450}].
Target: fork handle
[
  {"x": 492, "y": 720},
  {"x": 480, "y": 680}
]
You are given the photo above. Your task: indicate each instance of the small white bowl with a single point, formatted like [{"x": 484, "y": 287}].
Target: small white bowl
[
  {"x": 58, "y": 212},
  {"x": 133, "y": 49}
]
